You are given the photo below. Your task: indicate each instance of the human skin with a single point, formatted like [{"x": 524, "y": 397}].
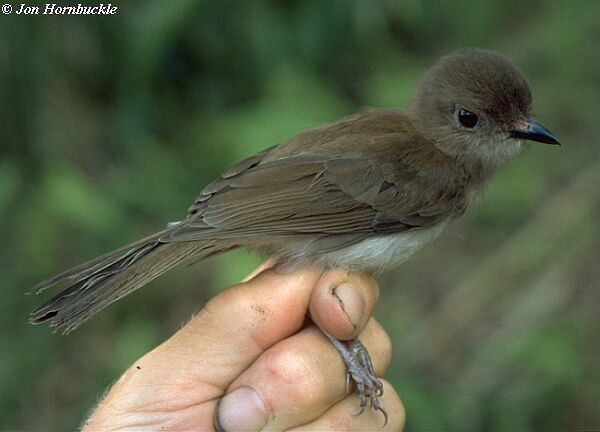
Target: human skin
[{"x": 250, "y": 360}]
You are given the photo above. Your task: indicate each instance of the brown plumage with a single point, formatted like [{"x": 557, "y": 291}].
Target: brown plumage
[
  {"x": 375, "y": 173},
  {"x": 362, "y": 193},
  {"x": 314, "y": 199}
]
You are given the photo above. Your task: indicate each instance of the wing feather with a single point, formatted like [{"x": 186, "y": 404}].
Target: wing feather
[{"x": 310, "y": 193}]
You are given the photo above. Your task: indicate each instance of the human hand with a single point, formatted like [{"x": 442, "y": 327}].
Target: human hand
[{"x": 248, "y": 361}]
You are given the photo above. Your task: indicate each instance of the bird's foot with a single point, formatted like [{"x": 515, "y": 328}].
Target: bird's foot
[{"x": 360, "y": 371}]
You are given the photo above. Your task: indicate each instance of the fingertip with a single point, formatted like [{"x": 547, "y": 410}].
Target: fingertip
[
  {"x": 368, "y": 285},
  {"x": 241, "y": 409},
  {"x": 342, "y": 302}
]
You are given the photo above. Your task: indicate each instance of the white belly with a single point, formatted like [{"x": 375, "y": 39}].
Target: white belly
[{"x": 382, "y": 252}]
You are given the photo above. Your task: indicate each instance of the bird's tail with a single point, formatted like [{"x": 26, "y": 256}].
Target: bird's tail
[{"x": 97, "y": 283}]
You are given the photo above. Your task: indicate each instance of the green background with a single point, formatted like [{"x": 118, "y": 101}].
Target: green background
[{"x": 110, "y": 125}]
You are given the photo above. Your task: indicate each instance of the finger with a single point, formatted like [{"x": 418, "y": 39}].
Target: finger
[
  {"x": 200, "y": 361},
  {"x": 236, "y": 326},
  {"x": 342, "y": 416},
  {"x": 218, "y": 344},
  {"x": 342, "y": 303},
  {"x": 295, "y": 381}
]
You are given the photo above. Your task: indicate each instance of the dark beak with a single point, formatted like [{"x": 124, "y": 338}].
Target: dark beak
[{"x": 531, "y": 130}]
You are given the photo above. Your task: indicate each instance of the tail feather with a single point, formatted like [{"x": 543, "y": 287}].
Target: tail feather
[
  {"x": 88, "y": 268},
  {"x": 99, "y": 282}
]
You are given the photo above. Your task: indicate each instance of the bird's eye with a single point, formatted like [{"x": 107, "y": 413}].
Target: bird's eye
[{"x": 467, "y": 118}]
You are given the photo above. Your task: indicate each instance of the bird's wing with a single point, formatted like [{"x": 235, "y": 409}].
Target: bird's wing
[{"x": 315, "y": 194}]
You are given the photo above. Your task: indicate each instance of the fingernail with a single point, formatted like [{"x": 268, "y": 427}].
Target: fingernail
[
  {"x": 242, "y": 409},
  {"x": 352, "y": 302}
]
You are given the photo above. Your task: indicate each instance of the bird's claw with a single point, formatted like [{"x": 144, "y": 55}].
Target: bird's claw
[{"x": 360, "y": 371}]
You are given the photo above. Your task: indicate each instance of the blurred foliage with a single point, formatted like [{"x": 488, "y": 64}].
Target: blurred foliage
[{"x": 110, "y": 125}]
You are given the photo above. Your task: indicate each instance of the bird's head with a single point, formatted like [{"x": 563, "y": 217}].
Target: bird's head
[{"x": 475, "y": 105}]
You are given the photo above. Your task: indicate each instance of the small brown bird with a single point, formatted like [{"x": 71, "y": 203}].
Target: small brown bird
[{"x": 363, "y": 193}]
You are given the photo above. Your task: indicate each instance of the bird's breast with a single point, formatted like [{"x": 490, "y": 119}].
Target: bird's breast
[{"x": 381, "y": 252}]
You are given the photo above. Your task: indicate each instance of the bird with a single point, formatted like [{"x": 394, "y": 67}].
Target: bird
[{"x": 363, "y": 194}]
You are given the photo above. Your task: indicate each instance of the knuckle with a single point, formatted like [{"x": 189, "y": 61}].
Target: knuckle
[{"x": 292, "y": 370}]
